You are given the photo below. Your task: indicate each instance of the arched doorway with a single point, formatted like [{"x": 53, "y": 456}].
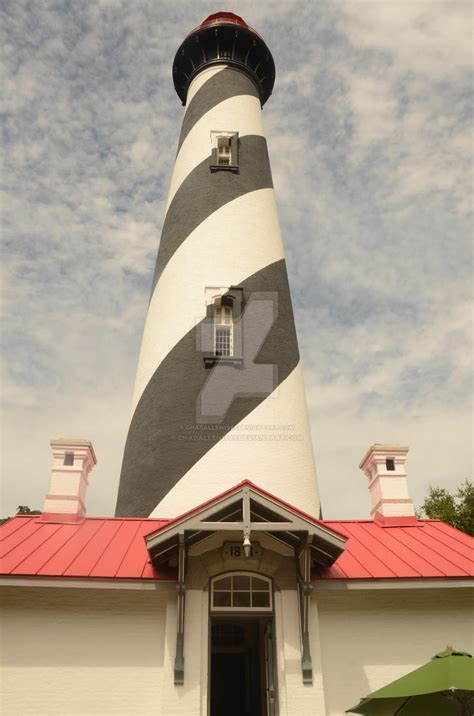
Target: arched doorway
[{"x": 242, "y": 659}]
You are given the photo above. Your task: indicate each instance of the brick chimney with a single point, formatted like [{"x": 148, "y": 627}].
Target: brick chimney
[
  {"x": 73, "y": 460},
  {"x": 384, "y": 465}
]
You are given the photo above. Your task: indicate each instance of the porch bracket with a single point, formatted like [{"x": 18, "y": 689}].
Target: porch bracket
[
  {"x": 246, "y": 519},
  {"x": 181, "y": 587},
  {"x": 304, "y": 584}
]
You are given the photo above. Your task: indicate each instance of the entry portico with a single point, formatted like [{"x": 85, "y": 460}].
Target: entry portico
[{"x": 249, "y": 536}]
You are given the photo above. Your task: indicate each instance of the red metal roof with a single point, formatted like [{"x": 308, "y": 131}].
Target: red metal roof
[
  {"x": 427, "y": 549},
  {"x": 114, "y": 548},
  {"x": 94, "y": 548}
]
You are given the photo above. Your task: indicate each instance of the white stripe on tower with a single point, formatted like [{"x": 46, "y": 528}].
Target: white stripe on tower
[
  {"x": 221, "y": 230},
  {"x": 210, "y": 256},
  {"x": 201, "y": 79}
]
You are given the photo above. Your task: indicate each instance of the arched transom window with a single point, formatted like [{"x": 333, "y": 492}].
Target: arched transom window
[{"x": 242, "y": 592}]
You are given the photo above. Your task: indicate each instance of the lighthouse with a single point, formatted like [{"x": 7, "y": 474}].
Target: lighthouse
[{"x": 219, "y": 394}]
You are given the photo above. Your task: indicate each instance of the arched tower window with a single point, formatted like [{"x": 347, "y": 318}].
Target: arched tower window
[
  {"x": 241, "y": 592},
  {"x": 222, "y": 330}
]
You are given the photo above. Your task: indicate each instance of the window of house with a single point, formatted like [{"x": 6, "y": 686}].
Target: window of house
[
  {"x": 69, "y": 458},
  {"x": 390, "y": 463},
  {"x": 223, "y": 330},
  {"x": 240, "y": 591}
]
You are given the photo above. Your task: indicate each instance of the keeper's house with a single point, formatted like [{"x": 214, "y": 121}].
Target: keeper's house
[{"x": 170, "y": 616}]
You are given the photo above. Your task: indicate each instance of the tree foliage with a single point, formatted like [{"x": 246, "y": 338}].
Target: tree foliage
[
  {"x": 21, "y": 510},
  {"x": 455, "y": 509},
  {"x": 25, "y": 510}
]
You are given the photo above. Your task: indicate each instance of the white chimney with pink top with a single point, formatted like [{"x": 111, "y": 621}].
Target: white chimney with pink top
[{"x": 74, "y": 458}]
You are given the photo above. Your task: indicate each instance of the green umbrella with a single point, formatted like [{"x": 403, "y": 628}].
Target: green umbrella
[{"x": 442, "y": 687}]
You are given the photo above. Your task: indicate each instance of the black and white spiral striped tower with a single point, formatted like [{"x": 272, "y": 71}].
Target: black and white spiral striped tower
[{"x": 219, "y": 394}]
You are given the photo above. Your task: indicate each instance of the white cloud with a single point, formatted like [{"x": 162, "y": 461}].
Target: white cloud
[
  {"x": 374, "y": 107},
  {"x": 432, "y": 38}
]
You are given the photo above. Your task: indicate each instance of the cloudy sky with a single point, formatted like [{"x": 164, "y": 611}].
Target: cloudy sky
[{"x": 369, "y": 137}]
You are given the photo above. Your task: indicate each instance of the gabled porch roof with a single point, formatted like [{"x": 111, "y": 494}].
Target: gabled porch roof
[{"x": 248, "y": 509}]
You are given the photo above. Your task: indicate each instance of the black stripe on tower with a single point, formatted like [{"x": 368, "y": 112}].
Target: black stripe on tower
[
  {"x": 224, "y": 85},
  {"x": 203, "y": 192},
  {"x": 157, "y": 452}
]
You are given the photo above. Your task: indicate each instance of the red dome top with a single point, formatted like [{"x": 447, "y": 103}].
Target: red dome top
[{"x": 224, "y": 18}]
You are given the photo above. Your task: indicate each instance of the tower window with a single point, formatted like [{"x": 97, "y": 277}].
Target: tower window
[
  {"x": 390, "y": 463},
  {"x": 69, "y": 458},
  {"x": 223, "y": 330},
  {"x": 224, "y": 151},
  {"x": 221, "y": 338}
]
